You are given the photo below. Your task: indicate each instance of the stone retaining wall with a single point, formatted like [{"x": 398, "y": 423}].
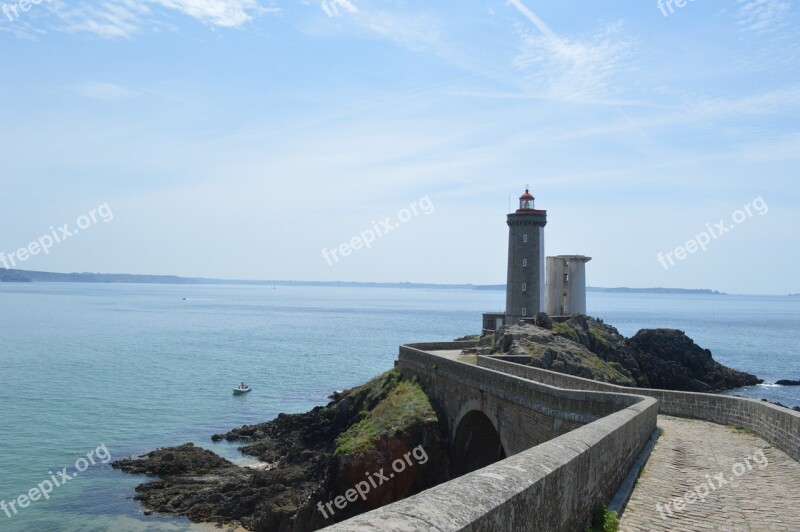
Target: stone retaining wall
[{"x": 779, "y": 426}]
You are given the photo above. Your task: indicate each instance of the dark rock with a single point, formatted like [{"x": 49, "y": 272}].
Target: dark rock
[
  {"x": 302, "y": 468},
  {"x": 671, "y": 360},
  {"x": 184, "y": 460},
  {"x": 543, "y": 320},
  {"x": 785, "y": 382},
  {"x": 653, "y": 358}
]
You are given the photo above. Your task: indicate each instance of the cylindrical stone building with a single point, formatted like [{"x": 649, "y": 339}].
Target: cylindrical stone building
[
  {"x": 566, "y": 285},
  {"x": 525, "y": 288}
]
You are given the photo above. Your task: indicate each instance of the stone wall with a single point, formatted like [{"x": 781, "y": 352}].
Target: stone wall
[
  {"x": 554, "y": 485},
  {"x": 779, "y": 426}
]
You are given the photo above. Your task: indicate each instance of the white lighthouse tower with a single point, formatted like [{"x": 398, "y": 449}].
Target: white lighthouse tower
[{"x": 566, "y": 285}]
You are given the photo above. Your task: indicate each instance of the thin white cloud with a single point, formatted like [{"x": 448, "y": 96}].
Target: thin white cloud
[
  {"x": 107, "y": 92},
  {"x": 21, "y": 30},
  {"x": 124, "y": 18},
  {"x": 533, "y": 17},
  {"x": 763, "y": 15},
  {"x": 222, "y": 13},
  {"x": 571, "y": 69},
  {"x": 332, "y": 7},
  {"x": 414, "y": 31},
  {"x": 118, "y": 18}
]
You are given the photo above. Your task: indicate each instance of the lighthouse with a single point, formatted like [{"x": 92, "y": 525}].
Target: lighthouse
[
  {"x": 527, "y": 294},
  {"x": 525, "y": 288},
  {"x": 525, "y": 285}
]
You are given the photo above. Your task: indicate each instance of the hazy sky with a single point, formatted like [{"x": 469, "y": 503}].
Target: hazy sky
[{"x": 241, "y": 138}]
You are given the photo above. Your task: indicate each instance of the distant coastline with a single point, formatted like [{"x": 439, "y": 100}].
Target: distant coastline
[
  {"x": 625, "y": 290},
  {"x": 28, "y": 276}
]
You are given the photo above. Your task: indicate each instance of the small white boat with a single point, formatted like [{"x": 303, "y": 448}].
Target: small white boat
[{"x": 241, "y": 391}]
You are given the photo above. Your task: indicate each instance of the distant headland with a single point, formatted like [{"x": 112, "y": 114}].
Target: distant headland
[
  {"x": 624, "y": 290},
  {"x": 28, "y": 276}
]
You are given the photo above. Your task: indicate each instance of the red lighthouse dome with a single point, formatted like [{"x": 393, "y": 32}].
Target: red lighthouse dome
[{"x": 526, "y": 202}]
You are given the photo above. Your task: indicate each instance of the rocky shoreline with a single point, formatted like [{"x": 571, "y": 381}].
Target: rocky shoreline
[
  {"x": 315, "y": 457},
  {"x": 314, "y": 460}
]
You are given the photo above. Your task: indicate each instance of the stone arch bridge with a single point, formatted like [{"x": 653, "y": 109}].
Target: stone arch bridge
[
  {"x": 539, "y": 450},
  {"x": 492, "y": 415}
]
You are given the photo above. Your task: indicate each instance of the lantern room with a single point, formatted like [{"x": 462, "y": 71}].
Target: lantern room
[{"x": 526, "y": 201}]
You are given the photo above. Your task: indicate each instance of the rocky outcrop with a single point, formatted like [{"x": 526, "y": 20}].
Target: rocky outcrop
[
  {"x": 786, "y": 382},
  {"x": 671, "y": 360},
  {"x": 183, "y": 460},
  {"x": 205, "y": 488},
  {"x": 587, "y": 347},
  {"x": 313, "y": 458},
  {"x": 548, "y": 350}
]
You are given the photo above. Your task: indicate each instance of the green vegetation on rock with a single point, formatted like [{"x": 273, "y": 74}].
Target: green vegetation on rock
[
  {"x": 738, "y": 429},
  {"x": 601, "y": 336},
  {"x": 487, "y": 339},
  {"x": 603, "y": 520},
  {"x": 559, "y": 327},
  {"x": 405, "y": 405},
  {"x": 567, "y": 348}
]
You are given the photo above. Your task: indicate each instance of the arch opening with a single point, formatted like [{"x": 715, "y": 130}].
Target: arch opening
[{"x": 476, "y": 444}]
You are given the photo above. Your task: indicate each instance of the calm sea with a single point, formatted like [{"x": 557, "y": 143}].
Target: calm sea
[{"x": 133, "y": 367}]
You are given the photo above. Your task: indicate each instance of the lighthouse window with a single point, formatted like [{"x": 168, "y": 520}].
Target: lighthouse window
[
  {"x": 524, "y": 287},
  {"x": 524, "y": 311},
  {"x": 525, "y": 238},
  {"x": 524, "y": 263}
]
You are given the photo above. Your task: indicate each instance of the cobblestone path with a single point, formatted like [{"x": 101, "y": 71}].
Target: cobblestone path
[{"x": 702, "y": 476}]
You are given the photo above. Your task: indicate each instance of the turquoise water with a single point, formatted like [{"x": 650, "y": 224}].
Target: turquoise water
[{"x": 133, "y": 367}]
